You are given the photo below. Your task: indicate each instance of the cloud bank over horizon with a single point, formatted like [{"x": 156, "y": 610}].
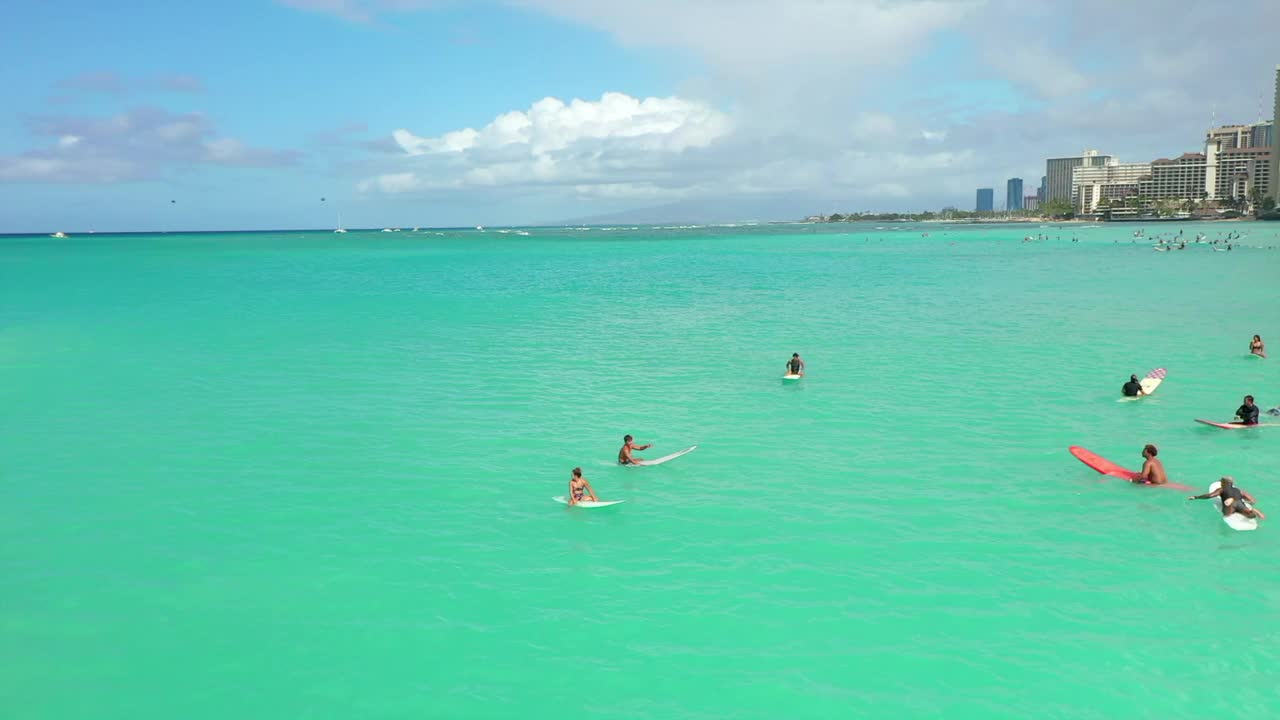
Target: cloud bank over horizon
[{"x": 855, "y": 99}]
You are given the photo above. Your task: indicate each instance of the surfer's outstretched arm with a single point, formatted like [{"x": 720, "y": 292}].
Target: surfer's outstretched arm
[{"x": 1206, "y": 496}]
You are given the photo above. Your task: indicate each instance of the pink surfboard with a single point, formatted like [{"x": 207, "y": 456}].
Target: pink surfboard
[
  {"x": 1106, "y": 467},
  {"x": 1231, "y": 426}
]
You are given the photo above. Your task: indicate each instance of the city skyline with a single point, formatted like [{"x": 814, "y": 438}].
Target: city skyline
[{"x": 400, "y": 112}]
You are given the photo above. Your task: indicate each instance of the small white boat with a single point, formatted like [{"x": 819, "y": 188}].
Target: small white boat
[
  {"x": 58, "y": 234},
  {"x": 386, "y": 229},
  {"x": 339, "y": 230}
]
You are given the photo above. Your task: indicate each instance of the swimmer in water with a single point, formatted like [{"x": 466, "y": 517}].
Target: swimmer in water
[
  {"x": 1233, "y": 499},
  {"x": 1257, "y": 348}
]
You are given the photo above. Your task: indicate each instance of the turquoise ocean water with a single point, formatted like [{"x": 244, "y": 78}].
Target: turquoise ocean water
[{"x": 305, "y": 475}]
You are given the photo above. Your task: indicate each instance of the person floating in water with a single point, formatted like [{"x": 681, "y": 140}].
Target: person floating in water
[
  {"x": 1233, "y": 499},
  {"x": 1133, "y": 388},
  {"x": 1152, "y": 469},
  {"x": 580, "y": 489},
  {"x": 1257, "y": 348},
  {"x": 628, "y": 446},
  {"x": 1247, "y": 414},
  {"x": 795, "y": 366}
]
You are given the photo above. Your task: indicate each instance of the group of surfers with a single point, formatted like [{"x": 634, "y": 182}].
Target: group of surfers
[
  {"x": 580, "y": 488},
  {"x": 1233, "y": 498}
]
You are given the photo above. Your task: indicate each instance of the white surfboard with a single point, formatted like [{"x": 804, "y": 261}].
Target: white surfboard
[
  {"x": 791, "y": 377},
  {"x": 1235, "y": 521},
  {"x": 666, "y": 458},
  {"x": 587, "y": 503}
]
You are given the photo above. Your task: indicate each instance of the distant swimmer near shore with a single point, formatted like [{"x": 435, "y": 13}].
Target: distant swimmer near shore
[
  {"x": 1257, "y": 348},
  {"x": 1152, "y": 472},
  {"x": 1233, "y": 499},
  {"x": 1132, "y": 388},
  {"x": 1247, "y": 414},
  {"x": 795, "y": 366},
  {"x": 629, "y": 446}
]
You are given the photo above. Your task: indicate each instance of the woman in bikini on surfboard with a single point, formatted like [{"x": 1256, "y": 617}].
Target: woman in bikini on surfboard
[
  {"x": 1257, "y": 348},
  {"x": 580, "y": 489}
]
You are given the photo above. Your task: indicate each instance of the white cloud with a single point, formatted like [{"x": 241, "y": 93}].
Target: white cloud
[{"x": 582, "y": 142}]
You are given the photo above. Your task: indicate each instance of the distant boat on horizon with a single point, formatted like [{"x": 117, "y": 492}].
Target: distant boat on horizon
[
  {"x": 58, "y": 234},
  {"x": 339, "y": 228}
]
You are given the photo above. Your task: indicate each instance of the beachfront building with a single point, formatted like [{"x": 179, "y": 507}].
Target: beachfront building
[
  {"x": 1234, "y": 174},
  {"x": 1275, "y": 145},
  {"x": 986, "y": 199},
  {"x": 1031, "y": 202},
  {"x": 1235, "y": 137},
  {"x": 1263, "y": 134},
  {"x": 1057, "y": 177},
  {"x": 1013, "y": 194},
  {"x": 1113, "y": 182},
  {"x": 1182, "y": 178},
  {"x": 1044, "y": 181}
]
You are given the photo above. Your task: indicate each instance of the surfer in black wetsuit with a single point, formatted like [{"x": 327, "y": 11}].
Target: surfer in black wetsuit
[
  {"x": 629, "y": 446},
  {"x": 1233, "y": 499},
  {"x": 1248, "y": 412},
  {"x": 795, "y": 365},
  {"x": 1133, "y": 388}
]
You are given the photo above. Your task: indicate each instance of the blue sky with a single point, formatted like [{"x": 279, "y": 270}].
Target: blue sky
[{"x": 244, "y": 114}]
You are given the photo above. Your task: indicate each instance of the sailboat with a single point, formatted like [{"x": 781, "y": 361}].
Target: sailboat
[
  {"x": 339, "y": 229},
  {"x": 58, "y": 234}
]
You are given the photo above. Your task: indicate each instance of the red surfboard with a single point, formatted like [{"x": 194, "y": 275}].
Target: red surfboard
[{"x": 1106, "y": 467}]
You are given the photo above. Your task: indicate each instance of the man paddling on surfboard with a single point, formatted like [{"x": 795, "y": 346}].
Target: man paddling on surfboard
[
  {"x": 795, "y": 365},
  {"x": 1233, "y": 499},
  {"x": 629, "y": 446},
  {"x": 1152, "y": 469},
  {"x": 580, "y": 489},
  {"x": 1133, "y": 388},
  {"x": 1247, "y": 414}
]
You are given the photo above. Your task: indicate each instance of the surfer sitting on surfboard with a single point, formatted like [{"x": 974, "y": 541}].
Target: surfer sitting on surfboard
[
  {"x": 795, "y": 365},
  {"x": 628, "y": 446},
  {"x": 1152, "y": 469},
  {"x": 1257, "y": 348},
  {"x": 1133, "y": 388},
  {"x": 580, "y": 489},
  {"x": 1233, "y": 499},
  {"x": 1247, "y": 413}
]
